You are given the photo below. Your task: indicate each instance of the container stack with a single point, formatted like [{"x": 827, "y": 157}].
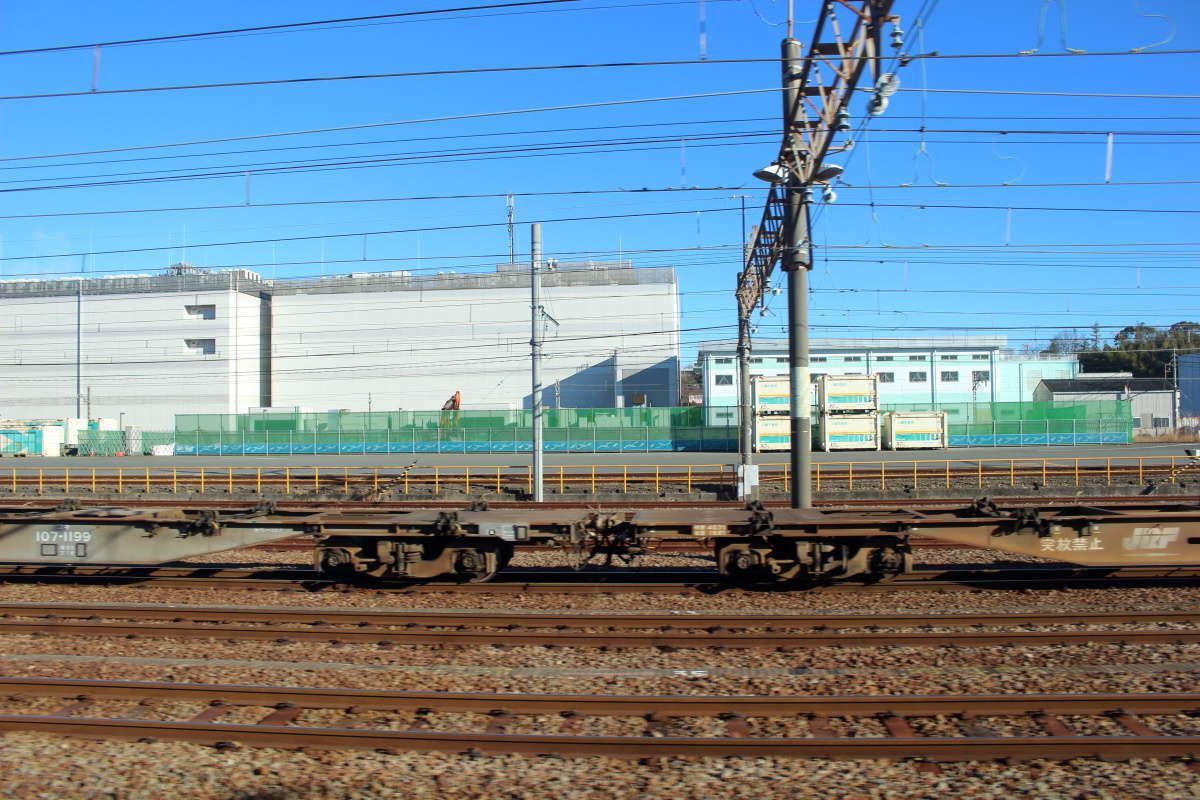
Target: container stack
[
  {"x": 912, "y": 430},
  {"x": 772, "y": 413},
  {"x": 847, "y": 412}
]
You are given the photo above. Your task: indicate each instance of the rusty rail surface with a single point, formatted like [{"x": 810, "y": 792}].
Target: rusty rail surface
[
  {"x": 1128, "y": 502},
  {"x": 584, "y": 619},
  {"x": 628, "y": 581},
  {"x": 694, "y": 638},
  {"x": 896, "y": 720}
]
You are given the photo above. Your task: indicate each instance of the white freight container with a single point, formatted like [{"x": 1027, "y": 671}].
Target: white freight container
[
  {"x": 53, "y": 437},
  {"x": 909, "y": 430},
  {"x": 838, "y": 394},
  {"x": 133, "y": 440},
  {"x": 771, "y": 396},
  {"x": 71, "y": 428},
  {"x": 772, "y": 433},
  {"x": 848, "y": 431}
]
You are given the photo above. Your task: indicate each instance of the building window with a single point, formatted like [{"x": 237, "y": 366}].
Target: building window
[
  {"x": 949, "y": 377},
  {"x": 916, "y": 377},
  {"x": 916, "y": 358},
  {"x": 814, "y": 376},
  {"x": 201, "y": 347},
  {"x": 722, "y": 360},
  {"x": 723, "y": 380},
  {"x": 784, "y": 360},
  {"x": 887, "y": 377},
  {"x": 979, "y": 356},
  {"x": 883, "y": 358},
  {"x": 948, "y": 357},
  {"x": 981, "y": 376},
  {"x": 756, "y": 361},
  {"x": 201, "y": 312},
  {"x": 818, "y": 359},
  {"x": 853, "y": 358},
  {"x": 1162, "y": 422}
]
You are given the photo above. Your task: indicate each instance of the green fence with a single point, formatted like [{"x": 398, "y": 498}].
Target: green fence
[
  {"x": 667, "y": 417},
  {"x": 976, "y": 413},
  {"x": 109, "y": 443}
]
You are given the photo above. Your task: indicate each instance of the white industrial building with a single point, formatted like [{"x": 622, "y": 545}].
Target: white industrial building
[{"x": 145, "y": 347}]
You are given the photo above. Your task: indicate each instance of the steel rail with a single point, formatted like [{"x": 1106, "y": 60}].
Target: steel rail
[
  {"x": 927, "y": 748},
  {"x": 371, "y": 482},
  {"x": 550, "y": 581},
  {"x": 610, "y": 705},
  {"x": 610, "y": 620},
  {"x": 1127, "y": 502},
  {"x": 901, "y": 740},
  {"x": 625, "y": 639}
]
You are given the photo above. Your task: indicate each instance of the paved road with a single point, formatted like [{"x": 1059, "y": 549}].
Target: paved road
[{"x": 587, "y": 459}]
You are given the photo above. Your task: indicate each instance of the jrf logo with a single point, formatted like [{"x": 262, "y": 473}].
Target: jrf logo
[{"x": 1150, "y": 538}]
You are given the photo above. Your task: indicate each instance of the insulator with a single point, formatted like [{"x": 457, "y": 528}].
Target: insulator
[
  {"x": 877, "y": 105},
  {"x": 829, "y": 195},
  {"x": 897, "y": 38},
  {"x": 887, "y": 85},
  {"x": 841, "y": 120},
  {"x": 806, "y": 194}
]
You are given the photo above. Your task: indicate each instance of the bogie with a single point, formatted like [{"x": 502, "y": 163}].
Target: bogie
[{"x": 470, "y": 559}]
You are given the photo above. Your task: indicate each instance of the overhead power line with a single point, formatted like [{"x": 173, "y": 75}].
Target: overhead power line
[
  {"x": 491, "y": 195},
  {"x": 381, "y": 75},
  {"x": 1031, "y": 93},
  {"x": 548, "y": 130},
  {"x": 674, "y": 136},
  {"x": 360, "y": 234},
  {"x": 536, "y": 68},
  {"x": 423, "y": 120},
  {"x": 178, "y": 37}
]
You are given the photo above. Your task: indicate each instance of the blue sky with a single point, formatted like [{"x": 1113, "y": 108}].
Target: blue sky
[{"x": 880, "y": 271}]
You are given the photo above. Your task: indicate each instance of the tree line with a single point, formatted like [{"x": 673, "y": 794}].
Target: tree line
[{"x": 1142, "y": 349}]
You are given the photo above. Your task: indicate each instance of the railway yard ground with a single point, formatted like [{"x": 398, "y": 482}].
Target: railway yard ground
[
  {"x": 661, "y": 683},
  {"x": 247, "y": 674}
]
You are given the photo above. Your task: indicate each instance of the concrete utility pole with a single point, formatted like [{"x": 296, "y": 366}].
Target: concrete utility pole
[
  {"x": 745, "y": 408},
  {"x": 817, "y": 88},
  {"x": 747, "y": 472},
  {"x": 535, "y": 345}
]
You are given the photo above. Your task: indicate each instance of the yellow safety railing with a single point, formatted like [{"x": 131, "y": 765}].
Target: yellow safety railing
[
  {"x": 981, "y": 473},
  {"x": 591, "y": 478}
]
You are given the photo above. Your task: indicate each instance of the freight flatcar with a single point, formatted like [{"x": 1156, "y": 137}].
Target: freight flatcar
[{"x": 752, "y": 544}]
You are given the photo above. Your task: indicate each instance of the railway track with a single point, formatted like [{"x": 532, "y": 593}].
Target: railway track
[
  {"x": 926, "y": 728},
  {"x": 588, "y": 581},
  {"x": 376, "y": 482},
  {"x": 922, "y": 504},
  {"x": 781, "y": 632}
]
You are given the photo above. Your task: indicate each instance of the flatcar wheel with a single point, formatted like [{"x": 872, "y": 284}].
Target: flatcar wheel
[
  {"x": 886, "y": 563},
  {"x": 476, "y": 566},
  {"x": 337, "y": 563}
]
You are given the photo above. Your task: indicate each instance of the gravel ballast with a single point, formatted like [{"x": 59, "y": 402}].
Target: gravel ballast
[{"x": 37, "y": 765}]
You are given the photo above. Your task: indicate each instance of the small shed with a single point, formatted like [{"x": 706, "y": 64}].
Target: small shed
[{"x": 1155, "y": 401}]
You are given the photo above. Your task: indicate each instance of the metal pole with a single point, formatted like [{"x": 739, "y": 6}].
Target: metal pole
[
  {"x": 744, "y": 346},
  {"x": 796, "y": 260},
  {"x": 78, "y": 347},
  {"x": 510, "y": 205},
  {"x": 535, "y": 344},
  {"x": 745, "y": 418},
  {"x": 799, "y": 255}
]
